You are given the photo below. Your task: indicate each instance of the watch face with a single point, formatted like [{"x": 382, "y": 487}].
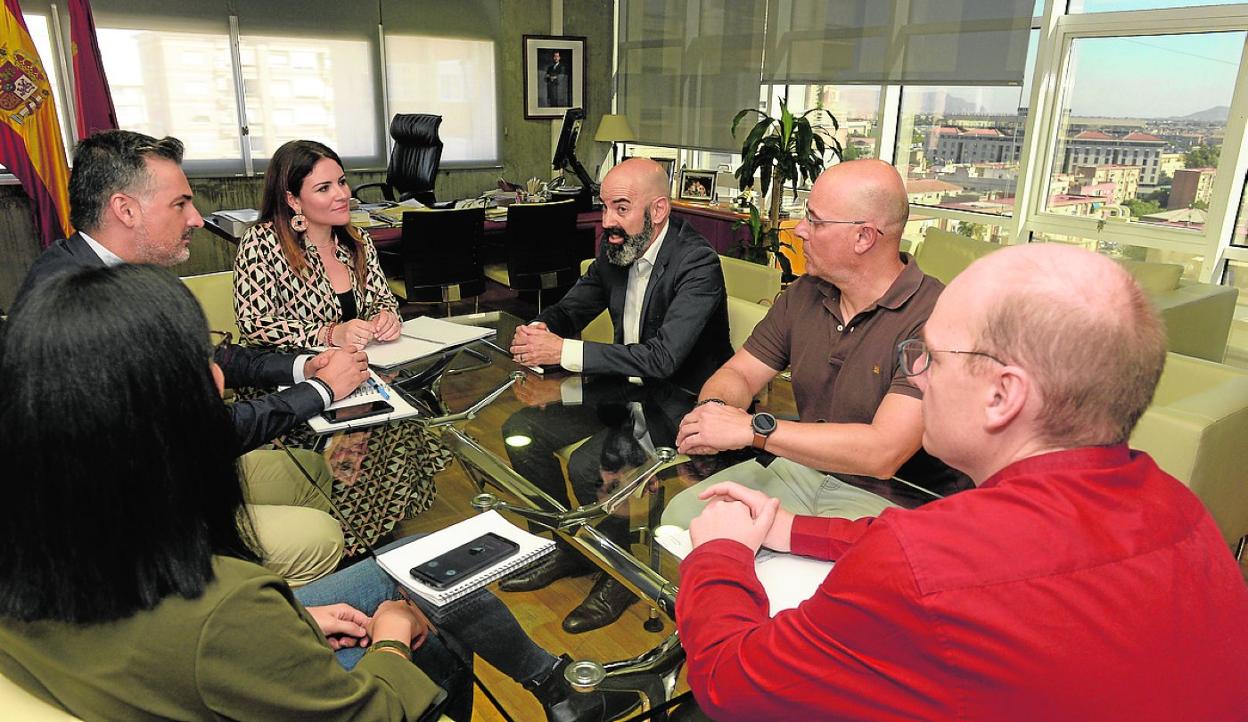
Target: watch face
[{"x": 764, "y": 423}]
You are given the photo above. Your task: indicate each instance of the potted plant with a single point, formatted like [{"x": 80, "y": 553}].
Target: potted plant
[{"x": 783, "y": 150}]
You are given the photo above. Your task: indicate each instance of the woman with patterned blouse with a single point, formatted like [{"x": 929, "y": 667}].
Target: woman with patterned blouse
[{"x": 304, "y": 276}]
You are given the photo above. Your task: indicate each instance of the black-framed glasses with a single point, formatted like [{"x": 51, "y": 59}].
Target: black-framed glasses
[
  {"x": 220, "y": 339},
  {"x": 914, "y": 356},
  {"x": 822, "y": 222}
]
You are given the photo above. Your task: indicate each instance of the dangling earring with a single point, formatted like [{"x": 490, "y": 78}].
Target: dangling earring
[{"x": 298, "y": 223}]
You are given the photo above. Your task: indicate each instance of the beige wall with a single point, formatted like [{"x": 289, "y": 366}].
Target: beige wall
[{"x": 525, "y": 144}]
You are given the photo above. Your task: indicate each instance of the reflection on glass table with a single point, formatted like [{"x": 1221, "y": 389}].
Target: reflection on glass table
[{"x": 589, "y": 459}]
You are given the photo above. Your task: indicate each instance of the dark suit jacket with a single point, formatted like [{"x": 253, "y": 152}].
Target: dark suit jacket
[
  {"x": 684, "y": 318},
  {"x": 255, "y": 422}
]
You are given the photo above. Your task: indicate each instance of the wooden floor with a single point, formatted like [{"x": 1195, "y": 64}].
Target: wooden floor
[{"x": 540, "y": 613}]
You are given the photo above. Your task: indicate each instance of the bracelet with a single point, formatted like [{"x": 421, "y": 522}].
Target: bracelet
[
  {"x": 394, "y": 645},
  {"x": 703, "y": 402},
  {"x": 329, "y": 333}
]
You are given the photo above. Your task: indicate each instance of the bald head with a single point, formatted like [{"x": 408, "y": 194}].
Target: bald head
[
  {"x": 1079, "y": 324},
  {"x": 873, "y": 190},
  {"x": 642, "y": 178}
]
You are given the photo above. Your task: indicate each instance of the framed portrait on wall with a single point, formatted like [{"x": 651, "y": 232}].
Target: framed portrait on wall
[
  {"x": 697, "y": 185},
  {"x": 554, "y": 74}
]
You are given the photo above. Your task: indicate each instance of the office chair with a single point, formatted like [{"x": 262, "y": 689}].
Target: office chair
[
  {"x": 540, "y": 247},
  {"x": 413, "y": 167},
  {"x": 441, "y": 256}
]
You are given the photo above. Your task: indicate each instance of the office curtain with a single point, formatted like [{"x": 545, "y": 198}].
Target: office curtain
[
  {"x": 686, "y": 68},
  {"x": 913, "y": 42}
]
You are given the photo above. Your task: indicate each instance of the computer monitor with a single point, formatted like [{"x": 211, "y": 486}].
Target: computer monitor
[{"x": 565, "y": 149}]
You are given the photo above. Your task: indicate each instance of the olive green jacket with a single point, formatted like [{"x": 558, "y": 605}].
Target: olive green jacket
[{"x": 243, "y": 650}]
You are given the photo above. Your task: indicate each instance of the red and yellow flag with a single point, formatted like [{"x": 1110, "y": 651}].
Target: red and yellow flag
[{"x": 30, "y": 133}]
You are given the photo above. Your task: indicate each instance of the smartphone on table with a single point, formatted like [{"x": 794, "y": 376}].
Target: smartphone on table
[
  {"x": 460, "y": 563},
  {"x": 358, "y": 411}
]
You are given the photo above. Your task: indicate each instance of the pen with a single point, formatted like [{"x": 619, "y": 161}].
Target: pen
[{"x": 380, "y": 389}]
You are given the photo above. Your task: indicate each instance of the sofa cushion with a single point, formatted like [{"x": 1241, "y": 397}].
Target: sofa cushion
[
  {"x": 1154, "y": 278},
  {"x": 944, "y": 254}
]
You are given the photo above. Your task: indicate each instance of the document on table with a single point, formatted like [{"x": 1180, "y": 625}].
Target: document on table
[
  {"x": 374, "y": 389},
  {"x": 423, "y": 336},
  {"x": 788, "y": 579},
  {"x": 396, "y": 562}
]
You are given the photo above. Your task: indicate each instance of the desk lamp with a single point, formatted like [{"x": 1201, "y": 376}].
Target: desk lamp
[{"x": 614, "y": 129}]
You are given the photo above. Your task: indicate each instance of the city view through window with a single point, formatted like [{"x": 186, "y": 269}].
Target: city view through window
[{"x": 1127, "y": 149}]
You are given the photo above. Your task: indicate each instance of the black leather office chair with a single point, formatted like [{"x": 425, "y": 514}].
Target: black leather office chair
[
  {"x": 441, "y": 256},
  {"x": 414, "y": 161},
  {"x": 541, "y": 250}
]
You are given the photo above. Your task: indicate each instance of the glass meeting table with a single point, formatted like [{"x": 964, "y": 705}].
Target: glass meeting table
[{"x": 590, "y": 460}]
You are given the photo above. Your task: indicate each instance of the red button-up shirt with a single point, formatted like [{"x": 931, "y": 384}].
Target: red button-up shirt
[{"x": 1077, "y": 585}]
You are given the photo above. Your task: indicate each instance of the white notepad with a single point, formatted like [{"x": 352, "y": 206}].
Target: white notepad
[
  {"x": 372, "y": 390},
  {"x": 396, "y": 562},
  {"x": 423, "y": 336},
  {"x": 788, "y": 579}
]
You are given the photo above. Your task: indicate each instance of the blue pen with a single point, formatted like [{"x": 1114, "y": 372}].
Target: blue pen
[{"x": 380, "y": 389}]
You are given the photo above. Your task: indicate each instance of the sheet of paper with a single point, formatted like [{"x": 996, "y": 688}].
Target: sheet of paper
[
  {"x": 422, "y": 336},
  {"x": 788, "y": 579}
]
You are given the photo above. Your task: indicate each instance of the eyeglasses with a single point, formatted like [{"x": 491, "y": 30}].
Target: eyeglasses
[
  {"x": 220, "y": 339},
  {"x": 821, "y": 222},
  {"x": 914, "y": 356}
]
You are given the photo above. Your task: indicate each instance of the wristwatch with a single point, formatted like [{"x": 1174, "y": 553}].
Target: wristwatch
[{"x": 763, "y": 425}]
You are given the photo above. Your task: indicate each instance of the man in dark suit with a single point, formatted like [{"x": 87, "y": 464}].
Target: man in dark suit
[
  {"x": 663, "y": 286},
  {"x": 132, "y": 203},
  {"x": 558, "y": 82},
  {"x": 657, "y": 277}
]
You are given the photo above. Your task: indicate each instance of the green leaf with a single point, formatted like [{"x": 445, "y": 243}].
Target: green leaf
[{"x": 741, "y": 114}]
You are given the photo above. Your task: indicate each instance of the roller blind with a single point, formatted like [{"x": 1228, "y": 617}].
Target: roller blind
[
  {"x": 913, "y": 42},
  {"x": 686, "y": 68},
  {"x": 311, "y": 70}
]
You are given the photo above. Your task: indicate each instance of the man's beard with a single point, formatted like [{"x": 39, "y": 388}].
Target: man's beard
[{"x": 633, "y": 246}]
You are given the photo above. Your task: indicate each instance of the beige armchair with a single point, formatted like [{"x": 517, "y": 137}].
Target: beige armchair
[
  {"x": 18, "y": 704},
  {"x": 1196, "y": 430},
  {"x": 215, "y": 293},
  {"x": 1198, "y": 316},
  {"x": 750, "y": 281}
]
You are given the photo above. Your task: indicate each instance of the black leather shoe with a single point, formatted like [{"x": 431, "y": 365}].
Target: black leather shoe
[
  {"x": 605, "y": 603},
  {"x": 560, "y": 563},
  {"x": 561, "y": 703}
]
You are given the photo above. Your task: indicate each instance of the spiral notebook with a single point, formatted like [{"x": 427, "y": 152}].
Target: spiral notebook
[{"x": 396, "y": 562}]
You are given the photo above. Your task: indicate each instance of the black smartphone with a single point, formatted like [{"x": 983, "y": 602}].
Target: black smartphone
[
  {"x": 460, "y": 563},
  {"x": 359, "y": 411}
]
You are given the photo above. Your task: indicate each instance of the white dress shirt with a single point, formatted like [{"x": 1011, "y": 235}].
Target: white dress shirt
[
  {"x": 112, "y": 259},
  {"x": 572, "y": 357}
]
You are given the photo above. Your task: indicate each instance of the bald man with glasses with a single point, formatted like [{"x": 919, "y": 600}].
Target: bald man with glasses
[{"x": 837, "y": 327}]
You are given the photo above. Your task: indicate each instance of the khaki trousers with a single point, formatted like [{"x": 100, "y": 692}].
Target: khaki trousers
[
  {"x": 800, "y": 489},
  {"x": 298, "y": 537}
]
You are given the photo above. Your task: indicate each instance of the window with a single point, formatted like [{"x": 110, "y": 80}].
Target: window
[
  {"x": 921, "y": 220},
  {"x": 1119, "y": 116},
  {"x": 37, "y": 25},
  {"x": 959, "y": 147},
  {"x": 309, "y": 88},
  {"x": 158, "y": 92},
  {"x": 856, "y": 108},
  {"x": 1099, "y": 6},
  {"x": 453, "y": 78}
]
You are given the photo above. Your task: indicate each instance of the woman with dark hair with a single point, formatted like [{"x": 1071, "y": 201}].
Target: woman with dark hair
[
  {"x": 304, "y": 276},
  {"x": 129, "y": 584}
]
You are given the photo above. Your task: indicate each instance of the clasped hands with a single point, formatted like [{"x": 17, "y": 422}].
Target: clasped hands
[
  {"x": 743, "y": 515},
  {"x": 358, "y": 332},
  {"x": 712, "y": 428},
  {"x": 344, "y": 369},
  {"x": 345, "y": 626},
  {"x": 536, "y": 345}
]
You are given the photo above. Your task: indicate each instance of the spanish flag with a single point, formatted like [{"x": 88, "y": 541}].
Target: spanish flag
[{"x": 30, "y": 133}]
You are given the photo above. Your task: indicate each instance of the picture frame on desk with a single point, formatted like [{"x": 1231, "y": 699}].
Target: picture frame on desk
[
  {"x": 554, "y": 74},
  {"x": 697, "y": 185}
]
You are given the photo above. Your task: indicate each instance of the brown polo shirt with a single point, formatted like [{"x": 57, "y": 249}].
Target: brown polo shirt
[{"x": 843, "y": 368}]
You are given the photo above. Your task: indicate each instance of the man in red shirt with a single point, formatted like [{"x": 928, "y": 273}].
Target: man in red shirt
[{"x": 1078, "y": 581}]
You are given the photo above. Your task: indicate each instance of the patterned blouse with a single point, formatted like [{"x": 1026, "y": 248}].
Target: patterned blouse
[{"x": 277, "y": 306}]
